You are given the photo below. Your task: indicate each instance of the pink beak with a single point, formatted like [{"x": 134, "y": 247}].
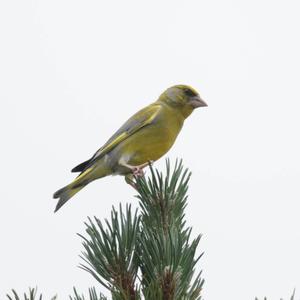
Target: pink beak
[{"x": 196, "y": 101}]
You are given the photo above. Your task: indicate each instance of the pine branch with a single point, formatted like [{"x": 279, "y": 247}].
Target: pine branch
[
  {"x": 167, "y": 256},
  {"x": 157, "y": 243},
  {"x": 292, "y": 297},
  {"x": 110, "y": 254},
  {"x": 32, "y": 295},
  {"x": 154, "y": 243},
  {"x": 92, "y": 295},
  {"x": 162, "y": 198}
]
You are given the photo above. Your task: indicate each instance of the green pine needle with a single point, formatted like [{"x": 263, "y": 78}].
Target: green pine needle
[
  {"x": 154, "y": 243},
  {"x": 292, "y": 297},
  {"x": 110, "y": 255},
  {"x": 31, "y": 295},
  {"x": 148, "y": 254},
  {"x": 92, "y": 295}
]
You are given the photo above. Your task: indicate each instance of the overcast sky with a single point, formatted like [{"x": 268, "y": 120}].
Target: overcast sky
[{"x": 71, "y": 72}]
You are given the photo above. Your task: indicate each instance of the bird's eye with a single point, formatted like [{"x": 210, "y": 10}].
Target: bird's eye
[{"x": 189, "y": 92}]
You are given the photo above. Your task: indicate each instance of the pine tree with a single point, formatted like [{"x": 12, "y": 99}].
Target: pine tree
[{"x": 147, "y": 253}]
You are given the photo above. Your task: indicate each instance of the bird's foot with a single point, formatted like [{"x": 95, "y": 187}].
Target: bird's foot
[{"x": 138, "y": 171}]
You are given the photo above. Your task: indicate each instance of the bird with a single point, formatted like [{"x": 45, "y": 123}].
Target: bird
[{"x": 141, "y": 140}]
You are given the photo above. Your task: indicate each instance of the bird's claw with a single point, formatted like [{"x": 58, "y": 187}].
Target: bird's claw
[{"x": 138, "y": 172}]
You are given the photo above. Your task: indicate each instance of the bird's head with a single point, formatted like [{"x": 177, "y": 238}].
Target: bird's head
[{"x": 183, "y": 98}]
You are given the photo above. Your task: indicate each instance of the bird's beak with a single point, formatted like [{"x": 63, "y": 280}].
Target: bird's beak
[{"x": 196, "y": 101}]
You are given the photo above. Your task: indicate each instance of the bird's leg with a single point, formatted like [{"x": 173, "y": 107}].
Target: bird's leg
[{"x": 136, "y": 170}]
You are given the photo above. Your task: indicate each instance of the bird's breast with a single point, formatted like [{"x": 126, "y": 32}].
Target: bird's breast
[{"x": 151, "y": 142}]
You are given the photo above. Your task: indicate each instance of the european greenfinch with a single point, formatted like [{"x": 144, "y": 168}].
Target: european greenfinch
[{"x": 142, "y": 139}]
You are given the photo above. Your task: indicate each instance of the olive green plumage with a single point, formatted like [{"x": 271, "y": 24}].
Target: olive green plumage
[{"x": 145, "y": 137}]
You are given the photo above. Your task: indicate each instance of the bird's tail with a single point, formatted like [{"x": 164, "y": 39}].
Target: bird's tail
[
  {"x": 96, "y": 171},
  {"x": 67, "y": 192}
]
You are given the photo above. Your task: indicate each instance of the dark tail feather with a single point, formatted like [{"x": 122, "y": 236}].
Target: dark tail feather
[
  {"x": 65, "y": 194},
  {"x": 81, "y": 167},
  {"x": 80, "y": 182}
]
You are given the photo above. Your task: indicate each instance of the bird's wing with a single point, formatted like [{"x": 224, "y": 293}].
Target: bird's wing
[{"x": 141, "y": 119}]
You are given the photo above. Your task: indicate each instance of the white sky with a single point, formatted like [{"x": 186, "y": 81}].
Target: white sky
[{"x": 71, "y": 72}]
